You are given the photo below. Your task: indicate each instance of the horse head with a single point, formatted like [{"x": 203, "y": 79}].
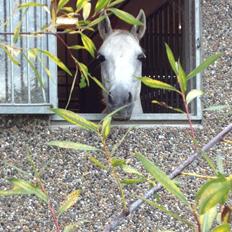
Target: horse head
[{"x": 121, "y": 64}]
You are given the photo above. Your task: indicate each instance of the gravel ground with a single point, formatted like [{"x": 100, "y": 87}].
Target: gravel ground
[{"x": 64, "y": 171}]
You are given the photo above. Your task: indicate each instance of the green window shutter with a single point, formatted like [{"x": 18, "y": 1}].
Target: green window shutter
[{"x": 20, "y": 88}]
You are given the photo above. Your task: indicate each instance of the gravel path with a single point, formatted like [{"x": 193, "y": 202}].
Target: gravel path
[{"x": 64, "y": 171}]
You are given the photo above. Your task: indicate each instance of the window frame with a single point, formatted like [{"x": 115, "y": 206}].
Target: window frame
[{"x": 196, "y": 106}]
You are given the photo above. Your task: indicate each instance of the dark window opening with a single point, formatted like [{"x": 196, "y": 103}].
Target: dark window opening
[{"x": 165, "y": 23}]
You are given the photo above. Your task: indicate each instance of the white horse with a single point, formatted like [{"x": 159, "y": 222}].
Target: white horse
[{"x": 121, "y": 64}]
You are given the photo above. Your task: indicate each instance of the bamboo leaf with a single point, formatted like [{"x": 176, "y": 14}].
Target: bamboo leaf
[
  {"x": 132, "y": 181},
  {"x": 210, "y": 60},
  {"x": 181, "y": 77},
  {"x": 88, "y": 44},
  {"x": 70, "y": 228},
  {"x": 171, "y": 59},
  {"x": 86, "y": 10},
  {"x": 207, "y": 219},
  {"x": 193, "y": 94},
  {"x": 167, "y": 212},
  {"x": 31, "y": 4},
  {"x": 220, "y": 166},
  {"x": 35, "y": 70},
  {"x": 16, "y": 32},
  {"x": 126, "y": 17},
  {"x": 212, "y": 193},
  {"x": 106, "y": 126},
  {"x": 56, "y": 60},
  {"x": 163, "y": 104},
  {"x": 97, "y": 163},
  {"x": 80, "y": 4},
  {"x": 71, "y": 200},
  {"x": 96, "y": 21},
  {"x": 101, "y": 4},
  {"x": 99, "y": 84},
  {"x": 10, "y": 54},
  {"x": 72, "y": 145},
  {"x": 117, "y": 162},
  {"x": 76, "y": 119},
  {"x": 22, "y": 187},
  {"x": 222, "y": 228},
  {"x": 62, "y": 3},
  {"x": 131, "y": 170},
  {"x": 157, "y": 84},
  {"x": 161, "y": 177},
  {"x": 116, "y": 2},
  {"x": 217, "y": 108}
]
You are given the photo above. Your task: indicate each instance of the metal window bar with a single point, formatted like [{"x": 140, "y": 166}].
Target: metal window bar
[{"x": 22, "y": 93}]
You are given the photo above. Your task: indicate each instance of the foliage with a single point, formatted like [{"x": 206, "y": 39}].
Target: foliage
[{"x": 210, "y": 205}]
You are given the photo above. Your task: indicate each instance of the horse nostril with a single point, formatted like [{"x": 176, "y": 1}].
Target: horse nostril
[
  {"x": 110, "y": 99},
  {"x": 130, "y": 97}
]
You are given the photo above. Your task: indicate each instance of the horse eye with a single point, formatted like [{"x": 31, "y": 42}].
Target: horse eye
[
  {"x": 101, "y": 58},
  {"x": 141, "y": 57}
]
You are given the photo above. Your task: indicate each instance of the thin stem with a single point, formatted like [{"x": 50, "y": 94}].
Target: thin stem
[
  {"x": 193, "y": 135},
  {"x": 197, "y": 175},
  {"x": 114, "y": 173},
  {"x": 51, "y": 208}
]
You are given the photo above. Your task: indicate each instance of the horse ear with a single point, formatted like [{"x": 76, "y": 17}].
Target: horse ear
[
  {"x": 104, "y": 27},
  {"x": 139, "y": 31}
]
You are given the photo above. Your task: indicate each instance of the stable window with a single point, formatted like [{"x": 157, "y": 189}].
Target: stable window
[{"x": 176, "y": 22}]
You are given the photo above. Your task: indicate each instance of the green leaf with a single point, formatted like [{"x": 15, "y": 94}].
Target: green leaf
[
  {"x": 182, "y": 79},
  {"x": 30, "y": 4},
  {"x": 220, "y": 166},
  {"x": 17, "y": 32},
  {"x": 101, "y": 4},
  {"x": 207, "y": 219},
  {"x": 71, "y": 228},
  {"x": 86, "y": 10},
  {"x": 222, "y": 228},
  {"x": 76, "y": 119},
  {"x": 116, "y": 2},
  {"x": 167, "y": 212},
  {"x": 99, "y": 84},
  {"x": 88, "y": 44},
  {"x": 10, "y": 54},
  {"x": 35, "y": 70},
  {"x": 76, "y": 47},
  {"x": 72, "y": 145},
  {"x": 56, "y": 60},
  {"x": 171, "y": 59},
  {"x": 164, "y": 104},
  {"x": 193, "y": 94},
  {"x": 204, "y": 65},
  {"x": 106, "y": 124},
  {"x": 217, "y": 108},
  {"x": 131, "y": 170},
  {"x": 96, "y": 21},
  {"x": 161, "y": 177},
  {"x": 84, "y": 71},
  {"x": 126, "y": 17},
  {"x": 132, "y": 181},
  {"x": 62, "y": 3},
  {"x": 212, "y": 193},
  {"x": 22, "y": 187},
  {"x": 70, "y": 200},
  {"x": 80, "y": 4},
  {"x": 157, "y": 84},
  {"x": 97, "y": 163},
  {"x": 117, "y": 162}
]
